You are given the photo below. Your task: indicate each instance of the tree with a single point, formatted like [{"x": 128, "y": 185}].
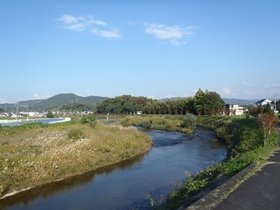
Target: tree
[
  {"x": 189, "y": 108},
  {"x": 148, "y": 107},
  {"x": 212, "y": 102},
  {"x": 50, "y": 114},
  {"x": 198, "y": 103},
  {"x": 208, "y": 102},
  {"x": 267, "y": 108},
  {"x": 181, "y": 105},
  {"x": 268, "y": 123}
]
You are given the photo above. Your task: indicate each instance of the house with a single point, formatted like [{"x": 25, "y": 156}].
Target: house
[
  {"x": 29, "y": 114},
  {"x": 263, "y": 102},
  {"x": 233, "y": 109},
  {"x": 274, "y": 107}
]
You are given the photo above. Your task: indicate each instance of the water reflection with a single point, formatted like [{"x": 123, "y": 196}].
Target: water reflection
[{"x": 127, "y": 184}]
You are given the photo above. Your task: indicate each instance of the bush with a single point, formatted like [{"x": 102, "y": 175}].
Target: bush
[
  {"x": 50, "y": 115},
  {"x": 247, "y": 115},
  {"x": 76, "y": 134},
  {"x": 89, "y": 119},
  {"x": 189, "y": 122}
]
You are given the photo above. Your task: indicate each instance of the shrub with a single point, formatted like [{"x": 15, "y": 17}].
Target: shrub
[
  {"x": 189, "y": 122},
  {"x": 89, "y": 119},
  {"x": 247, "y": 115},
  {"x": 76, "y": 134}
]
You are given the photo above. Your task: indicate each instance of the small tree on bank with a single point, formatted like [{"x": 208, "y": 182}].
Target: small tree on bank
[
  {"x": 268, "y": 123},
  {"x": 189, "y": 122},
  {"x": 50, "y": 114}
]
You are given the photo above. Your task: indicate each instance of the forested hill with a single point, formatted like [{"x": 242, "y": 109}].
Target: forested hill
[{"x": 54, "y": 102}]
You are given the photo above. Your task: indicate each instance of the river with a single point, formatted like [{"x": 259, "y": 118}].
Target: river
[{"x": 126, "y": 185}]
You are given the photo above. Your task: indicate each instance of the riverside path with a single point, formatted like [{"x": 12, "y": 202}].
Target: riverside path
[{"x": 260, "y": 191}]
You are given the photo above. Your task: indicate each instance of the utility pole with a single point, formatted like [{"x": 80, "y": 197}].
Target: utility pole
[
  {"x": 275, "y": 102},
  {"x": 16, "y": 110}
]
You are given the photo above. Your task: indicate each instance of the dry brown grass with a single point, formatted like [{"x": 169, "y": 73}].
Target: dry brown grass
[{"x": 39, "y": 154}]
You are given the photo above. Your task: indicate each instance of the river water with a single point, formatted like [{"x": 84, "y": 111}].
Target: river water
[{"x": 126, "y": 185}]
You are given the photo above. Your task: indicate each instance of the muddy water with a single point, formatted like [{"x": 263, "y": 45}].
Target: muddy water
[{"x": 126, "y": 185}]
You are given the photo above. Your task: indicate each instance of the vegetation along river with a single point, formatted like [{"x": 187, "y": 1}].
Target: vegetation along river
[{"x": 127, "y": 184}]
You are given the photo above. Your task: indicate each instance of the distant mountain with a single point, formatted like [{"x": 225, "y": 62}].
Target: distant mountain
[
  {"x": 170, "y": 99},
  {"x": 240, "y": 101},
  {"x": 54, "y": 102}
]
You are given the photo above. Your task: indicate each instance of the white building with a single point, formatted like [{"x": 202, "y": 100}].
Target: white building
[
  {"x": 263, "y": 102},
  {"x": 233, "y": 109}
]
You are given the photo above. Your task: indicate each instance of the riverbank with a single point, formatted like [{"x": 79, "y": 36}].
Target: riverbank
[
  {"x": 245, "y": 145},
  {"x": 35, "y": 154}
]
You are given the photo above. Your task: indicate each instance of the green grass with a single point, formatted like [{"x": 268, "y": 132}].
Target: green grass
[
  {"x": 34, "y": 154},
  {"x": 157, "y": 122}
]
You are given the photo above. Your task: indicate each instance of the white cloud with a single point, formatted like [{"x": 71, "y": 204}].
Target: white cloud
[
  {"x": 152, "y": 97},
  {"x": 172, "y": 33},
  {"x": 3, "y": 101},
  {"x": 272, "y": 85},
  {"x": 107, "y": 34},
  {"x": 37, "y": 96},
  {"x": 68, "y": 19},
  {"x": 248, "y": 84},
  {"x": 88, "y": 23},
  {"x": 227, "y": 91},
  {"x": 76, "y": 27}
]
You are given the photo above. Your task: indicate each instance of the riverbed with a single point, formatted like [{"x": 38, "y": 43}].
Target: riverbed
[{"x": 128, "y": 184}]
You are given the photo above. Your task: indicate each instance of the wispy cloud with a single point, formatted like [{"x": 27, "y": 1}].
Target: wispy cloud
[
  {"x": 176, "y": 35},
  {"x": 37, "y": 96},
  {"x": 152, "y": 97},
  {"x": 107, "y": 34},
  {"x": 88, "y": 23},
  {"x": 248, "y": 84},
  {"x": 227, "y": 91},
  {"x": 272, "y": 85},
  {"x": 2, "y": 101}
]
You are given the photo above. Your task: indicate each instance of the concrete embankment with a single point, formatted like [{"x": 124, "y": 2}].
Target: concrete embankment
[{"x": 42, "y": 120}]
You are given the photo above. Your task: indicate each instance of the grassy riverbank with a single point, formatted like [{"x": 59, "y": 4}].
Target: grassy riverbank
[
  {"x": 161, "y": 122},
  {"x": 244, "y": 140},
  {"x": 34, "y": 154}
]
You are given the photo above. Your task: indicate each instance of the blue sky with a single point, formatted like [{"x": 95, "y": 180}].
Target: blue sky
[{"x": 153, "y": 48}]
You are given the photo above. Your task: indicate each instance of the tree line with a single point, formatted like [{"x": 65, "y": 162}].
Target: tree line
[{"x": 204, "y": 102}]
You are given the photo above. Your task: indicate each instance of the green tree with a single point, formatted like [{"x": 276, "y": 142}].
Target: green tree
[
  {"x": 181, "y": 104},
  {"x": 198, "y": 101},
  {"x": 50, "y": 114},
  {"x": 267, "y": 108},
  {"x": 148, "y": 107},
  {"x": 189, "y": 108},
  {"x": 212, "y": 103}
]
